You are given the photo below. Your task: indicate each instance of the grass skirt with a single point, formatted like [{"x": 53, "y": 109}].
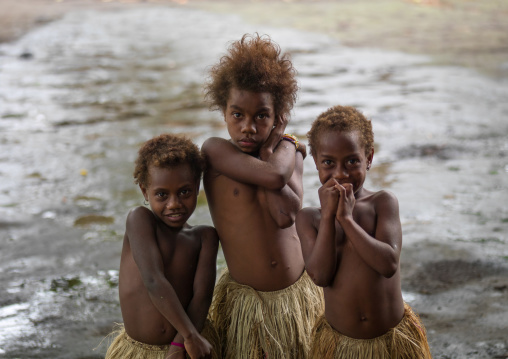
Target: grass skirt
[
  {"x": 255, "y": 324},
  {"x": 407, "y": 340},
  {"x": 124, "y": 347}
]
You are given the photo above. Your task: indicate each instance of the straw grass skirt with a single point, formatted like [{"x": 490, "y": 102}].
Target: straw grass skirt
[
  {"x": 255, "y": 324},
  {"x": 407, "y": 340},
  {"x": 124, "y": 347}
]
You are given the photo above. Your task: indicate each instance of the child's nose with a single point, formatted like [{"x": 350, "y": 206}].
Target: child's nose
[
  {"x": 248, "y": 126},
  {"x": 340, "y": 173},
  {"x": 173, "y": 202}
]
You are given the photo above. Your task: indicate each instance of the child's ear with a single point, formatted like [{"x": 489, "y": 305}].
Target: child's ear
[
  {"x": 370, "y": 157},
  {"x": 224, "y": 112},
  {"x": 275, "y": 122},
  {"x": 143, "y": 190}
]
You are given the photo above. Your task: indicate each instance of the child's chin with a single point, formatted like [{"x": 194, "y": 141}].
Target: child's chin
[
  {"x": 175, "y": 225},
  {"x": 249, "y": 151}
]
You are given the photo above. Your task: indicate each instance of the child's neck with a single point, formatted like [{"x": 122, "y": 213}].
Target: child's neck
[
  {"x": 172, "y": 230},
  {"x": 360, "y": 193}
]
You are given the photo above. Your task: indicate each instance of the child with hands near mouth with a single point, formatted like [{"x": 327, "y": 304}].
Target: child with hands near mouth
[
  {"x": 167, "y": 267},
  {"x": 351, "y": 247}
]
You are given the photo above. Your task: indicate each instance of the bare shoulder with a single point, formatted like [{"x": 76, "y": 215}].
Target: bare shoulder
[
  {"x": 220, "y": 155},
  {"x": 140, "y": 213},
  {"x": 214, "y": 144},
  {"x": 308, "y": 216},
  {"x": 140, "y": 216},
  {"x": 308, "y": 213},
  {"x": 385, "y": 199},
  {"x": 207, "y": 234}
]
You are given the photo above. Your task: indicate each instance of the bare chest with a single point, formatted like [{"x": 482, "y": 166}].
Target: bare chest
[
  {"x": 230, "y": 200},
  {"x": 179, "y": 255}
]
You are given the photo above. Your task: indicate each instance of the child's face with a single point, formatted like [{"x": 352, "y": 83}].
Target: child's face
[
  {"x": 339, "y": 155},
  {"x": 172, "y": 194},
  {"x": 250, "y": 117}
]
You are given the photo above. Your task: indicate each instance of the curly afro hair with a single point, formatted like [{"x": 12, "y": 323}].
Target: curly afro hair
[
  {"x": 343, "y": 119},
  {"x": 255, "y": 64},
  {"x": 167, "y": 151}
]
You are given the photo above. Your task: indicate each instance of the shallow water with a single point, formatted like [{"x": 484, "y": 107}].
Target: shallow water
[{"x": 79, "y": 96}]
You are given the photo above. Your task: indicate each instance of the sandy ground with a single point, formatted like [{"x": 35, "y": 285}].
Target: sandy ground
[{"x": 458, "y": 283}]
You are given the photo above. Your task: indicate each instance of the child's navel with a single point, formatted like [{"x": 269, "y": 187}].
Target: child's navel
[
  {"x": 274, "y": 263},
  {"x": 236, "y": 192}
]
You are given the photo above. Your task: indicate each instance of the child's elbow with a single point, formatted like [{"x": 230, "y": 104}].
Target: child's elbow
[
  {"x": 277, "y": 182},
  {"x": 320, "y": 282},
  {"x": 390, "y": 270},
  {"x": 204, "y": 298},
  {"x": 320, "y": 279},
  {"x": 152, "y": 285},
  {"x": 285, "y": 220}
]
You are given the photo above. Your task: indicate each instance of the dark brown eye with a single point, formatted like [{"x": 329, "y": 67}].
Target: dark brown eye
[{"x": 184, "y": 192}]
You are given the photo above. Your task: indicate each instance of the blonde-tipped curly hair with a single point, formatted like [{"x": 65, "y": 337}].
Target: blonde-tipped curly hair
[
  {"x": 343, "y": 119},
  {"x": 167, "y": 151},
  {"x": 255, "y": 64}
]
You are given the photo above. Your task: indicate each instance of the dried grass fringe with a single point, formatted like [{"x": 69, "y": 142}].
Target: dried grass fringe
[
  {"x": 278, "y": 324},
  {"x": 408, "y": 340},
  {"x": 124, "y": 347}
]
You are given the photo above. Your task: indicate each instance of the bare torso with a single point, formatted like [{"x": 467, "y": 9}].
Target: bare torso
[
  {"x": 360, "y": 302},
  {"x": 258, "y": 253},
  {"x": 180, "y": 254}
]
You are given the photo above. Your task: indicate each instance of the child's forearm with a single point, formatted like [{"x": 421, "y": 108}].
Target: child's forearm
[
  {"x": 204, "y": 279},
  {"x": 178, "y": 339},
  {"x": 281, "y": 160},
  {"x": 321, "y": 263},
  {"x": 198, "y": 311},
  {"x": 166, "y": 301},
  {"x": 177, "y": 348},
  {"x": 379, "y": 255},
  {"x": 224, "y": 158},
  {"x": 284, "y": 204}
]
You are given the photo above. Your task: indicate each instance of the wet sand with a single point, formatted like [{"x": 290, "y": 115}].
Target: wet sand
[
  {"x": 466, "y": 33},
  {"x": 458, "y": 285}
]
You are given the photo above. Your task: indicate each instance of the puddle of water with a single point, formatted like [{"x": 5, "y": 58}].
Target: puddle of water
[{"x": 13, "y": 322}]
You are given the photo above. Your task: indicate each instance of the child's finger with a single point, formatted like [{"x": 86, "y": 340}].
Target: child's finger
[
  {"x": 349, "y": 188},
  {"x": 331, "y": 182},
  {"x": 340, "y": 188}
]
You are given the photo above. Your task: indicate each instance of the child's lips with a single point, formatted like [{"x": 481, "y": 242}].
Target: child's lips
[
  {"x": 174, "y": 216},
  {"x": 246, "y": 142}
]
